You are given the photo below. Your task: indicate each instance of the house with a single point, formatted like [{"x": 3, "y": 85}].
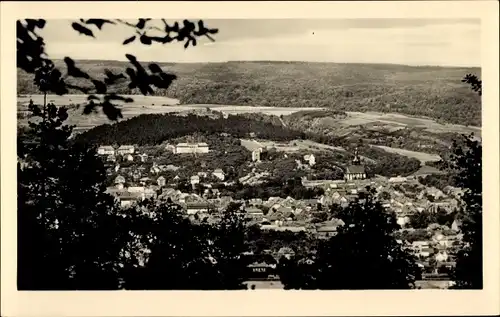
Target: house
[
  {"x": 254, "y": 213},
  {"x": 425, "y": 252},
  {"x": 456, "y": 225},
  {"x": 256, "y": 155},
  {"x": 143, "y": 157},
  {"x": 310, "y": 159},
  {"x": 286, "y": 252},
  {"x": 161, "y": 181},
  {"x": 144, "y": 180},
  {"x": 129, "y": 157},
  {"x": 402, "y": 220},
  {"x": 127, "y": 198},
  {"x": 170, "y": 148},
  {"x": 396, "y": 180},
  {"x": 325, "y": 232},
  {"x": 119, "y": 179},
  {"x": 111, "y": 158},
  {"x": 193, "y": 148},
  {"x": 197, "y": 207},
  {"x": 219, "y": 174},
  {"x": 195, "y": 179},
  {"x": 106, "y": 150},
  {"x": 255, "y": 202},
  {"x": 355, "y": 171},
  {"x": 171, "y": 167},
  {"x": 442, "y": 256},
  {"x": 202, "y": 174},
  {"x": 126, "y": 149}
]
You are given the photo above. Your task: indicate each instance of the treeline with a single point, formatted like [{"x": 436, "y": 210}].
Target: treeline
[
  {"x": 422, "y": 91},
  {"x": 389, "y": 164},
  {"x": 424, "y": 219},
  {"x": 149, "y": 129}
]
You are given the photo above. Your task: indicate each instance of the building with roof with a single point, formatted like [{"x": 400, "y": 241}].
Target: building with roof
[
  {"x": 126, "y": 149},
  {"x": 161, "y": 181},
  {"x": 256, "y": 155},
  {"x": 106, "y": 150},
  {"x": 219, "y": 173},
  {"x": 310, "y": 159},
  {"x": 355, "y": 171},
  {"x": 191, "y": 148},
  {"x": 197, "y": 207}
]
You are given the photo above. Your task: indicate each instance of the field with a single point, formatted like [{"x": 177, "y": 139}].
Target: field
[
  {"x": 435, "y": 92},
  {"x": 422, "y": 157},
  {"x": 141, "y": 105},
  {"x": 158, "y": 104},
  {"x": 396, "y": 120}
]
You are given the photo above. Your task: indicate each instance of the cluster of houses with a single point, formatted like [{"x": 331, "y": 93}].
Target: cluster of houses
[{"x": 127, "y": 152}]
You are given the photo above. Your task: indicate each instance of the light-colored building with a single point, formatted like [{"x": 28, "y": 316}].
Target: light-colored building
[
  {"x": 356, "y": 171},
  {"x": 161, "y": 181},
  {"x": 219, "y": 174},
  {"x": 106, "y": 150},
  {"x": 195, "y": 179},
  {"x": 126, "y": 149},
  {"x": 143, "y": 157},
  {"x": 193, "y": 148},
  {"x": 256, "y": 155},
  {"x": 119, "y": 179},
  {"x": 197, "y": 207},
  {"x": 310, "y": 159},
  {"x": 398, "y": 179},
  {"x": 129, "y": 157}
]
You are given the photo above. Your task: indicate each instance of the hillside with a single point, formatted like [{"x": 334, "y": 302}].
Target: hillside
[{"x": 435, "y": 92}]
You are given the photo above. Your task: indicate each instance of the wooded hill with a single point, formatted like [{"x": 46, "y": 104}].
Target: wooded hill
[{"x": 436, "y": 92}]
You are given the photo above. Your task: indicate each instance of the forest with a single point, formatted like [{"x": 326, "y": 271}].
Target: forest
[
  {"x": 150, "y": 129},
  {"x": 434, "y": 92}
]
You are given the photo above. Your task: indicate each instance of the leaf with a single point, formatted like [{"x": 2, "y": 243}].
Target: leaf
[
  {"x": 98, "y": 22},
  {"x": 117, "y": 97},
  {"x": 146, "y": 40},
  {"x": 99, "y": 86},
  {"x": 142, "y": 23},
  {"x": 154, "y": 68},
  {"x": 82, "y": 30},
  {"x": 131, "y": 58},
  {"x": 73, "y": 70},
  {"x": 89, "y": 108},
  {"x": 129, "y": 40},
  {"x": 111, "y": 111}
]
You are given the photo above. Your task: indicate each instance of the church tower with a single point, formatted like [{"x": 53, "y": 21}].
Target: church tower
[{"x": 356, "y": 160}]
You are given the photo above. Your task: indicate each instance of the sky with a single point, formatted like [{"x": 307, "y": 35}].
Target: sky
[{"x": 440, "y": 42}]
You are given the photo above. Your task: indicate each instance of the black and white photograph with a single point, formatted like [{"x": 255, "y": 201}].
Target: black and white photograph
[{"x": 256, "y": 154}]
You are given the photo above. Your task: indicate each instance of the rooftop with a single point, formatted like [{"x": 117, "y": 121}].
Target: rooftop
[{"x": 355, "y": 169}]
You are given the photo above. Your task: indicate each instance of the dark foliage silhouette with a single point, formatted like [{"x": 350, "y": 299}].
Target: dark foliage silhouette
[
  {"x": 67, "y": 234},
  {"x": 466, "y": 162},
  {"x": 31, "y": 56},
  {"x": 73, "y": 236},
  {"x": 363, "y": 255},
  {"x": 183, "y": 255}
]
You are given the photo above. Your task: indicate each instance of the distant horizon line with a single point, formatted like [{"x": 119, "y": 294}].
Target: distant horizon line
[{"x": 279, "y": 61}]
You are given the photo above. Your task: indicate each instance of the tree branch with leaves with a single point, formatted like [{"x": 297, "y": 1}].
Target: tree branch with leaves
[{"x": 32, "y": 58}]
